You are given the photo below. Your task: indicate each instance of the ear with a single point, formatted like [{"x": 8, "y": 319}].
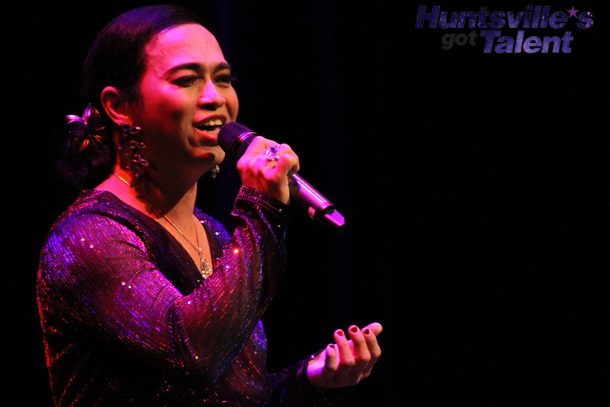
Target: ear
[{"x": 115, "y": 105}]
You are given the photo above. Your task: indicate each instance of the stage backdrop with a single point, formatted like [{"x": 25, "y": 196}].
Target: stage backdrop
[{"x": 461, "y": 151}]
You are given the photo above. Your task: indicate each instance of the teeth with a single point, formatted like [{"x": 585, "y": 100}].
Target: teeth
[{"x": 213, "y": 122}]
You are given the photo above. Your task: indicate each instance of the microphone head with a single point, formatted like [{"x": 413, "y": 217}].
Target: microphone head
[{"x": 234, "y": 138}]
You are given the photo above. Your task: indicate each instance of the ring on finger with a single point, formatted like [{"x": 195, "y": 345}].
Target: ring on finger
[{"x": 272, "y": 153}]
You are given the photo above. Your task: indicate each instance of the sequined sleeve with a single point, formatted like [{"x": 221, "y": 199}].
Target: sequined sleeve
[
  {"x": 105, "y": 284},
  {"x": 214, "y": 324},
  {"x": 292, "y": 388}
]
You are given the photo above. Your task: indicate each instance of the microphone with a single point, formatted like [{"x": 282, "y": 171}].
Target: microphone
[{"x": 234, "y": 139}]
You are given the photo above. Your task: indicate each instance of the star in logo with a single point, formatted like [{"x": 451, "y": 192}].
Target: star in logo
[{"x": 572, "y": 12}]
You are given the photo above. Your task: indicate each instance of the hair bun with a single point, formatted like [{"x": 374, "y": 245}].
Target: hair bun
[{"x": 85, "y": 130}]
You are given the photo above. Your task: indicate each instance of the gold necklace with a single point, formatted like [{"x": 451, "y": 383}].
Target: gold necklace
[
  {"x": 205, "y": 269},
  {"x": 122, "y": 179}
]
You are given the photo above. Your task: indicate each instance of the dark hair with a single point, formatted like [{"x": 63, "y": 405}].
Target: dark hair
[{"x": 116, "y": 58}]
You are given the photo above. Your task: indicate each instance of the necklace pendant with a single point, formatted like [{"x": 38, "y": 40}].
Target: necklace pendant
[
  {"x": 206, "y": 270},
  {"x": 204, "y": 267}
]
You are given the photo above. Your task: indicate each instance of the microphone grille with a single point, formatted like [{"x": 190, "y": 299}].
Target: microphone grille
[{"x": 234, "y": 138}]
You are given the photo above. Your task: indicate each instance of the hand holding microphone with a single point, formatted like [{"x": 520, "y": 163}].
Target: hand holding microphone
[
  {"x": 265, "y": 166},
  {"x": 235, "y": 139}
]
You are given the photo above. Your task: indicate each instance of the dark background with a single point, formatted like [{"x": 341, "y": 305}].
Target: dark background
[{"x": 474, "y": 188}]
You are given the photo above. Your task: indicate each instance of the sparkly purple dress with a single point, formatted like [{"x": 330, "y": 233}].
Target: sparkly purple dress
[{"x": 128, "y": 320}]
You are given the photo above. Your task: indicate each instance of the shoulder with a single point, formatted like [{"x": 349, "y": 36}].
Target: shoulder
[
  {"x": 91, "y": 210},
  {"x": 95, "y": 218},
  {"x": 93, "y": 236}
]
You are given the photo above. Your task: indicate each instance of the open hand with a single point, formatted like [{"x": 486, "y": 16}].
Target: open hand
[{"x": 346, "y": 362}]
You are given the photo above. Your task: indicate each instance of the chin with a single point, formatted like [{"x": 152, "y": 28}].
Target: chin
[
  {"x": 214, "y": 155},
  {"x": 220, "y": 157}
]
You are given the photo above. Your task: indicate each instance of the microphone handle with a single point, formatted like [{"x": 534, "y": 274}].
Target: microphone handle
[
  {"x": 302, "y": 193},
  {"x": 234, "y": 139}
]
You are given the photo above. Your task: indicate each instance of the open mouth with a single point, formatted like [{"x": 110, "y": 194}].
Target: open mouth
[{"x": 210, "y": 126}]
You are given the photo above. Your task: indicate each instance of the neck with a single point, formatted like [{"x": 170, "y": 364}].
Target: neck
[
  {"x": 182, "y": 211},
  {"x": 155, "y": 197}
]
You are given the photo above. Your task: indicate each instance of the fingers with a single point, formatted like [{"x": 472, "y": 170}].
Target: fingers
[
  {"x": 343, "y": 347},
  {"x": 265, "y": 166},
  {"x": 373, "y": 347},
  {"x": 358, "y": 343},
  {"x": 347, "y": 361},
  {"x": 358, "y": 356},
  {"x": 346, "y": 358},
  {"x": 287, "y": 160},
  {"x": 331, "y": 363},
  {"x": 375, "y": 327},
  {"x": 256, "y": 152},
  {"x": 371, "y": 343},
  {"x": 360, "y": 351}
]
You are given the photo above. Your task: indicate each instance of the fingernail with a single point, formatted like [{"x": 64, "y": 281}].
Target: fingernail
[
  {"x": 331, "y": 346},
  {"x": 366, "y": 331},
  {"x": 353, "y": 329},
  {"x": 339, "y": 332}
]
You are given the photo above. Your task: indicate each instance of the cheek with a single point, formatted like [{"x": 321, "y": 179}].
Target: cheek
[
  {"x": 170, "y": 110},
  {"x": 163, "y": 101},
  {"x": 175, "y": 102},
  {"x": 232, "y": 104}
]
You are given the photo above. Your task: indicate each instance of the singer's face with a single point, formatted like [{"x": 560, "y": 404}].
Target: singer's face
[{"x": 185, "y": 97}]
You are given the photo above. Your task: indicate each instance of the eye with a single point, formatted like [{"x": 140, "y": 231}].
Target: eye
[
  {"x": 224, "y": 79},
  {"x": 186, "y": 81}
]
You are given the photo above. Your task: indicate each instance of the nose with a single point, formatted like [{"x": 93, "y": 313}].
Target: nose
[{"x": 211, "y": 98}]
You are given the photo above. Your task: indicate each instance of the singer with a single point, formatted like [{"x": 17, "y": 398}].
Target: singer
[{"x": 145, "y": 300}]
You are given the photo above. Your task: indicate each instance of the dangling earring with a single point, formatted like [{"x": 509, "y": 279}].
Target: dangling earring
[
  {"x": 214, "y": 171},
  {"x": 132, "y": 148}
]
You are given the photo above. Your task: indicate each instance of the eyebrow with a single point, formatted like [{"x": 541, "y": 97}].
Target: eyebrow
[{"x": 197, "y": 67}]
